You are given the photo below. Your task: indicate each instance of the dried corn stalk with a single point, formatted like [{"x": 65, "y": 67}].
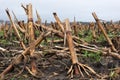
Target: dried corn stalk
[
  {"x": 59, "y": 22},
  {"x": 15, "y": 29},
  {"x": 105, "y": 34},
  {"x": 76, "y": 67}
]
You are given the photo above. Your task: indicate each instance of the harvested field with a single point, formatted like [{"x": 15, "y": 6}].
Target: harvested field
[{"x": 60, "y": 50}]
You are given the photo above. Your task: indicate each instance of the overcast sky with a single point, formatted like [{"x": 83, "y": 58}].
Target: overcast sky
[{"x": 81, "y": 9}]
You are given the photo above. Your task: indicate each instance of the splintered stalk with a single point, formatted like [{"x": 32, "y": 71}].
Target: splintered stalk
[
  {"x": 39, "y": 21},
  {"x": 70, "y": 43},
  {"x": 30, "y": 23},
  {"x": 15, "y": 17},
  {"x": 28, "y": 10},
  {"x": 104, "y": 32},
  {"x": 71, "y": 48},
  {"x": 58, "y": 21},
  {"x": 76, "y": 67},
  {"x": 38, "y": 17},
  {"x": 31, "y": 38},
  {"x": 15, "y": 29},
  {"x": 20, "y": 26}
]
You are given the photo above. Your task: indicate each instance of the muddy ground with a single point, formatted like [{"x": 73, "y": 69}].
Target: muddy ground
[{"x": 53, "y": 66}]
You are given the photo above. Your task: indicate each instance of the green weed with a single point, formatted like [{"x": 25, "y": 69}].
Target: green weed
[{"x": 95, "y": 57}]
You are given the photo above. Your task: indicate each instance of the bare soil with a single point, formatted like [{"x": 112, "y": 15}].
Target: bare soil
[{"x": 54, "y": 67}]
